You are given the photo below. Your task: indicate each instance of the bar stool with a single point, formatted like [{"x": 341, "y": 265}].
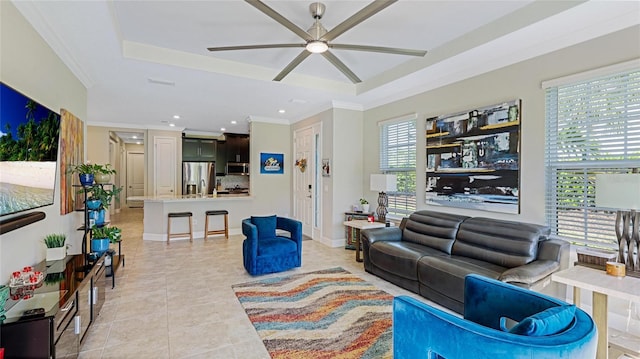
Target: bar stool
[
  {"x": 178, "y": 215},
  {"x": 224, "y": 231}
]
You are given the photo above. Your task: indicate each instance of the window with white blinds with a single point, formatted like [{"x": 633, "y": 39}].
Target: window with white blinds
[
  {"x": 398, "y": 157},
  {"x": 593, "y": 126}
]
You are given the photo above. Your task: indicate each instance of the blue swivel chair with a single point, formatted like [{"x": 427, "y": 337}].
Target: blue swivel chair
[
  {"x": 265, "y": 252},
  {"x": 547, "y": 328}
]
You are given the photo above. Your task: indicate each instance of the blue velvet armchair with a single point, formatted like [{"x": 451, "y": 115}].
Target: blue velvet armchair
[
  {"x": 265, "y": 252},
  {"x": 422, "y": 331}
]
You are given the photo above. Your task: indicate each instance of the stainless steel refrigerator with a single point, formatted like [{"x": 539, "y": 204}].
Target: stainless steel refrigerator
[{"x": 198, "y": 178}]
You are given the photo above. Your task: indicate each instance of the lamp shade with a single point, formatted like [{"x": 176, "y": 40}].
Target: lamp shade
[
  {"x": 620, "y": 191},
  {"x": 383, "y": 183}
]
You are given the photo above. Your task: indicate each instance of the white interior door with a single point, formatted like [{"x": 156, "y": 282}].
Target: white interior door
[
  {"x": 135, "y": 177},
  {"x": 164, "y": 162},
  {"x": 303, "y": 181}
]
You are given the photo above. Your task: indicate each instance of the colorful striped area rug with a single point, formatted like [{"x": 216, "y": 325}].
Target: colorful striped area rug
[{"x": 325, "y": 314}]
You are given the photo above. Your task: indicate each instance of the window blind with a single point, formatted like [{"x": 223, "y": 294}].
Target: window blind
[
  {"x": 398, "y": 157},
  {"x": 592, "y": 126}
]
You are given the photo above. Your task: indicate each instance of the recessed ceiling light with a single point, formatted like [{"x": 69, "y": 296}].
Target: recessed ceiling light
[
  {"x": 134, "y": 137},
  {"x": 282, "y": 111},
  {"x": 234, "y": 122},
  {"x": 222, "y": 129},
  {"x": 172, "y": 125},
  {"x": 138, "y": 143},
  {"x": 176, "y": 117}
]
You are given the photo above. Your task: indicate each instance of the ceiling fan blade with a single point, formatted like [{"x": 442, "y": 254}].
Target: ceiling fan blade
[
  {"x": 341, "y": 66},
  {"x": 252, "y": 47},
  {"x": 386, "y": 50},
  {"x": 292, "y": 65},
  {"x": 357, "y": 18},
  {"x": 279, "y": 18}
]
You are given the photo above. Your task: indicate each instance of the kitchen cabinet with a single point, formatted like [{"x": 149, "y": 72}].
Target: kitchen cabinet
[
  {"x": 221, "y": 158},
  {"x": 237, "y": 147},
  {"x": 198, "y": 149}
]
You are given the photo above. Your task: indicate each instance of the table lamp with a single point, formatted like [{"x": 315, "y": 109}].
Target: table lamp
[
  {"x": 383, "y": 183},
  {"x": 622, "y": 192}
]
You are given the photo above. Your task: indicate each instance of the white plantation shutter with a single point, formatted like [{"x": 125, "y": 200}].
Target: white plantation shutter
[
  {"x": 398, "y": 157},
  {"x": 593, "y": 126}
]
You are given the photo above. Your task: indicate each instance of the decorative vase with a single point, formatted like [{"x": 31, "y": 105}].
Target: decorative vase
[
  {"x": 54, "y": 254},
  {"x": 99, "y": 245},
  {"x": 102, "y": 178},
  {"x": 99, "y": 217},
  {"x": 93, "y": 204},
  {"x": 86, "y": 179},
  {"x": 365, "y": 208}
]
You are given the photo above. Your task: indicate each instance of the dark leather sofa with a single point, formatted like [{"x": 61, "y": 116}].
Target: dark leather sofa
[{"x": 431, "y": 252}]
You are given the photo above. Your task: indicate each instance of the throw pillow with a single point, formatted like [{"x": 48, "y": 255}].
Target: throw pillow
[
  {"x": 266, "y": 226},
  {"x": 548, "y": 322}
]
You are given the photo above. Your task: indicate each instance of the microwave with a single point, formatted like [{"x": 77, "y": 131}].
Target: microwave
[{"x": 237, "y": 168}]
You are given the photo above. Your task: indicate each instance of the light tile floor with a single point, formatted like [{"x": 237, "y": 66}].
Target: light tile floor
[{"x": 176, "y": 301}]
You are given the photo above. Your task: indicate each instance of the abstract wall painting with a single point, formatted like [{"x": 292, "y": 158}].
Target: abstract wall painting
[
  {"x": 71, "y": 153},
  {"x": 473, "y": 158}
]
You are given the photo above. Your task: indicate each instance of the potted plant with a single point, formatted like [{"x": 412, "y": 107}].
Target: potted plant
[
  {"x": 103, "y": 173},
  {"x": 101, "y": 237},
  {"x": 86, "y": 172},
  {"x": 105, "y": 196},
  {"x": 365, "y": 205},
  {"x": 89, "y": 172},
  {"x": 56, "y": 248}
]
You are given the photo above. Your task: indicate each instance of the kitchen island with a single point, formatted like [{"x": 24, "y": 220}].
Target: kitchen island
[{"x": 157, "y": 208}]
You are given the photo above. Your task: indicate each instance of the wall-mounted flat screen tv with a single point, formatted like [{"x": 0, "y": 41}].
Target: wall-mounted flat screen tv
[{"x": 29, "y": 134}]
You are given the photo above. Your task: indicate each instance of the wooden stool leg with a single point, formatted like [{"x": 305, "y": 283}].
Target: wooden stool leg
[
  {"x": 206, "y": 227},
  {"x": 226, "y": 226},
  {"x": 190, "y": 230},
  {"x": 168, "y": 229}
]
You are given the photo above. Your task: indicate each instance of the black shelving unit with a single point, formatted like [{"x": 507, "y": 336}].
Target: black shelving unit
[{"x": 116, "y": 258}]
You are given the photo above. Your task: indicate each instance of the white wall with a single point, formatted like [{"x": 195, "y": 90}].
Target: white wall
[
  {"x": 30, "y": 66},
  {"x": 519, "y": 81},
  {"x": 271, "y": 192}
]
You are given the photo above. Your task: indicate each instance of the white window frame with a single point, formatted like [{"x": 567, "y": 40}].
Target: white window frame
[
  {"x": 592, "y": 126},
  {"x": 398, "y": 156}
]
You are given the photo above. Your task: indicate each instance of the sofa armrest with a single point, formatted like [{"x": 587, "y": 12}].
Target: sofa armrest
[
  {"x": 530, "y": 273},
  {"x": 373, "y": 235},
  {"x": 292, "y": 226},
  {"x": 553, "y": 249},
  {"x": 251, "y": 232}
]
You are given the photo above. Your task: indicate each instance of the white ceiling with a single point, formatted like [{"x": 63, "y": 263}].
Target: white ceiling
[{"x": 145, "y": 61}]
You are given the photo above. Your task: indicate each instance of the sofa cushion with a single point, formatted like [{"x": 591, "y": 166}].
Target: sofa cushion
[
  {"x": 504, "y": 243},
  {"x": 276, "y": 246},
  {"x": 399, "y": 258},
  {"x": 446, "y": 274},
  {"x": 548, "y": 322},
  {"x": 433, "y": 229},
  {"x": 266, "y": 226}
]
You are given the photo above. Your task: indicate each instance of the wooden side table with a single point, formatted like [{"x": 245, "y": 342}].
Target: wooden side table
[
  {"x": 350, "y": 242},
  {"x": 602, "y": 285},
  {"x": 355, "y": 227}
]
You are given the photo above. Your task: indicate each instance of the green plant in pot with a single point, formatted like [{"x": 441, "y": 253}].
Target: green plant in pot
[
  {"x": 103, "y": 173},
  {"x": 56, "y": 247},
  {"x": 88, "y": 172},
  {"x": 365, "y": 205},
  {"x": 105, "y": 196},
  {"x": 101, "y": 237}
]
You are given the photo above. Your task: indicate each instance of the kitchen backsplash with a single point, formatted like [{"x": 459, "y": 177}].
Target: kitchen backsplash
[{"x": 231, "y": 181}]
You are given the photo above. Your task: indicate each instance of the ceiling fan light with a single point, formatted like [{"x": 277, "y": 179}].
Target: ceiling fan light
[{"x": 317, "y": 47}]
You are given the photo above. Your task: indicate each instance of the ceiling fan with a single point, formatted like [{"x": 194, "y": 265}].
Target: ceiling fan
[{"x": 318, "y": 39}]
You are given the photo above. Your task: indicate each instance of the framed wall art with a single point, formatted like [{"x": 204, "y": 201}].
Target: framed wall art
[
  {"x": 326, "y": 167},
  {"x": 473, "y": 158},
  {"x": 271, "y": 163}
]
